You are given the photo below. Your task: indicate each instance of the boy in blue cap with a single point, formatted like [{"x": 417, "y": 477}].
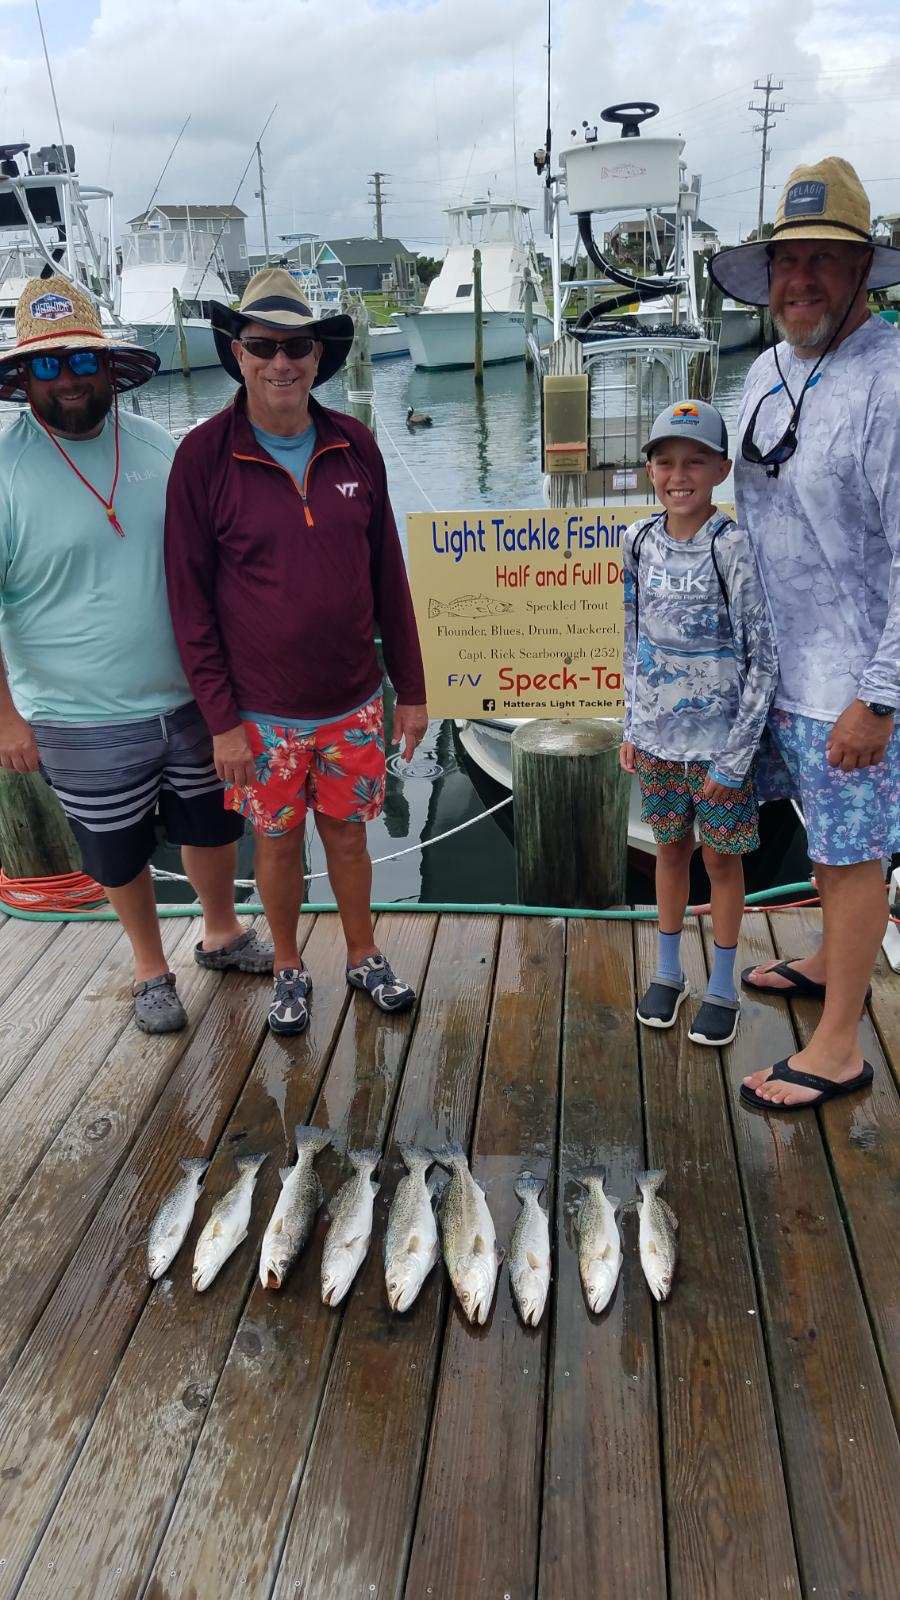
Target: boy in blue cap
[{"x": 700, "y": 673}]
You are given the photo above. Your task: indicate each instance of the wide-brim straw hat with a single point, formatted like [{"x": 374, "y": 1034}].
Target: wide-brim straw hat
[
  {"x": 54, "y": 314},
  {"x": 273, "y": 297},
  {"x": 824, "y": 201}
]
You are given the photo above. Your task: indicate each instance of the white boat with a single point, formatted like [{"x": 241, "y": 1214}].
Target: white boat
[
  {"x": 739, "y": 325},
  {"x": 50, "y": 222},
  {"x": 441, "y": 333},
  {"x": 168, "y": 278}
]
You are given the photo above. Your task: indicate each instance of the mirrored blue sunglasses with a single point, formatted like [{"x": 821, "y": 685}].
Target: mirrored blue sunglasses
[{"x": 84, "y": 363}]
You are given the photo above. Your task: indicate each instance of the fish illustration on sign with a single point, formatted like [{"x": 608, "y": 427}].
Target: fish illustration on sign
[{"x": 469, "y": 607}]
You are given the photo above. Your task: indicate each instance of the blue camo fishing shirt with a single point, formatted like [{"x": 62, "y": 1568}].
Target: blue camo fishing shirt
[
  {"x": 826, "y": 531},
  {"x": 699, "y": 676}
]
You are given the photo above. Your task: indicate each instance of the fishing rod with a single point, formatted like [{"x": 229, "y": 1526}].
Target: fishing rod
[{"x": 159, "y": 180}]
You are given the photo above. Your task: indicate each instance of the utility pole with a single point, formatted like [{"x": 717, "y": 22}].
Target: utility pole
[
  {"x": 261, "y": 197},
  {"x": 377, "y": 200},
  {"x": 767, "y": 111}
]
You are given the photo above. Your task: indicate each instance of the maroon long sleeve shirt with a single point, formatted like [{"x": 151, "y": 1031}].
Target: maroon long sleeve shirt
[{"x": 275, "y": 591}]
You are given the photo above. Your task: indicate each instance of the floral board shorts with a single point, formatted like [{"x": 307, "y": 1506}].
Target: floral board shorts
[
  {"x": 670, "y": 800},
  {"x": 849, "y": 816},
  {"x": 337, "y": 769}
]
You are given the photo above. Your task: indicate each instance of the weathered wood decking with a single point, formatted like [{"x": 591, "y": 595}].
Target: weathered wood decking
[{"x": 736, "y": 1442}]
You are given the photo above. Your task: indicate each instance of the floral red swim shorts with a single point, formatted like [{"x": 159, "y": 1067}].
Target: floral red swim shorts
[{"x": 337, "y": 769}]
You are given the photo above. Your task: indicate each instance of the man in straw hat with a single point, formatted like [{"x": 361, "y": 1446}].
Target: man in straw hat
[
  {"x": 816, "y": 480},
  {"x": 94, "y": 693},
  {"x": 283, "y": 561}
]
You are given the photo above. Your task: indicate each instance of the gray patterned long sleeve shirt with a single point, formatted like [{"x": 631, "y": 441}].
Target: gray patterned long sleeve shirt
[
  {"x": 700, "y": 663},
  {"x": 826, "y": 531}
]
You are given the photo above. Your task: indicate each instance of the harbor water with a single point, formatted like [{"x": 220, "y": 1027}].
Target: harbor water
[{"x": 482, "y": 450}]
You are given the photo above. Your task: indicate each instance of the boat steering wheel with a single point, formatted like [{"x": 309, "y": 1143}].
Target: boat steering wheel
[{"x": 630, "y": 114}]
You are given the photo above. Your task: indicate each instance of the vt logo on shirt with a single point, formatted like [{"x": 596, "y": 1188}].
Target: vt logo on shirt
[
  {"x": 658, "y": 579},
  {"x": 348, "y": 490}
]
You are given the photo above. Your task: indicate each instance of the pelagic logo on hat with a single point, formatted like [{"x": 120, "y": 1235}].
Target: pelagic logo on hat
[
  {"x": 807, "y": 199},
  {"x": 50, "y": 307}
]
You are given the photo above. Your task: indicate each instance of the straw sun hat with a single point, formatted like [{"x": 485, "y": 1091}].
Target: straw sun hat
[
  {"x": 825, "y": 201},
  {"x": 54, "y": 314},
  {"x": 273, "y": 297}
]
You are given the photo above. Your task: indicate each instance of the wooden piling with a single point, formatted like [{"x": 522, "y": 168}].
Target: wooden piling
[
  {"x": 703, "y": 368},
  {"x": 358, "y": 382},
  {"x": 35, "y": 838},
  {"x": 571, "y": 810},
  {"x": 529, "y": 324},
  {"x": 479, "y": 322},
  {"x": 178, "y": 311}
]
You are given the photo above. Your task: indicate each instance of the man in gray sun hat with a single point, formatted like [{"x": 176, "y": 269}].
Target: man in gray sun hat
[
  {"x": 816, "y": 482},
  {"x": 283, "y": 561},
  {"x": 93, "y": 693}
]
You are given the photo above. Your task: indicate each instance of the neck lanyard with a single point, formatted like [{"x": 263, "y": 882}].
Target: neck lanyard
[{"x": 107, "y": 504}]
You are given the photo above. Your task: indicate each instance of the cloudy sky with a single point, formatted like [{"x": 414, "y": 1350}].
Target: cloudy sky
[{"x": 446, "y": 96}]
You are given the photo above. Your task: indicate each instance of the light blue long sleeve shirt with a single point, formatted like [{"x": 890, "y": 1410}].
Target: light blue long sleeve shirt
[
  {"x": 826, "y": 530},
  {"x": 700, "y": 665}
]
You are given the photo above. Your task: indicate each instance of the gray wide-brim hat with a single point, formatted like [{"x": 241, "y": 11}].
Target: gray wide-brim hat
[
  {"x": 825, "y": 201},
  {"x": 273, "y": 297}
]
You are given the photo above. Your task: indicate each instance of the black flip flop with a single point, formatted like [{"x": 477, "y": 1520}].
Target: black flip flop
[
  {"x": 801, "y": 987},
  {"x": 827, "y": 1088}
]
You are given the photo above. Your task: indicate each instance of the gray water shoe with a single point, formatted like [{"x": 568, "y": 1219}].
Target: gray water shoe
[
  {"x": 289, "y": 1011},
  {"x": 245, "y": 953},
  {"x": 157, "y": 1008}
]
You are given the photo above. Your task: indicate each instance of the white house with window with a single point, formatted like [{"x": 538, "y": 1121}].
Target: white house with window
[{"x": 224, "y": 222}]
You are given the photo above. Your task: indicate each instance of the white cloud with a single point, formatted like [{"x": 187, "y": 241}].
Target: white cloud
[{"x": 424, "y": 91}]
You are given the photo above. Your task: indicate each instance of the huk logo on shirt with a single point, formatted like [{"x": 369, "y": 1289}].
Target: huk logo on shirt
[
  {"x": 658, "y": 579},
  {"x": 348, "y": 490}
]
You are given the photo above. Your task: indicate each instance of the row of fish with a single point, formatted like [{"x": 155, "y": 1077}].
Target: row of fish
[{"x": 412, "y": 1244}]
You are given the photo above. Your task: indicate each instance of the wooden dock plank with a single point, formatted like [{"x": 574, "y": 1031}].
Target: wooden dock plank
[
  {"x": 22, "y": 945},
  {"x": 237, "y": 1496},
  {"x": 47, "y": 1220},
  {"x": 838, "y": 1440},
  {"x": 862, "y": 1136},
  {"x": 727, "y": 1519},
  {"x": 142, "y": 1439},
  {"x": 478, "y": 1521},
  {"x": 52, "y": 1083},
  {"x": 602, "y": 1515},
  {"x": 44, "y": 993},
  {"x": 353, "y": 1517},
  {"x": 58, "y": 1384}
]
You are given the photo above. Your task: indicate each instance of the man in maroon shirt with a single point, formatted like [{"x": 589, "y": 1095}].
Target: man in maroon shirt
[{"x": 282, "y": 559}]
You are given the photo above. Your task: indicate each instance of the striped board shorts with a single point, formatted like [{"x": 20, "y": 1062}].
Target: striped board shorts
[{"x": 116, "y": 781}]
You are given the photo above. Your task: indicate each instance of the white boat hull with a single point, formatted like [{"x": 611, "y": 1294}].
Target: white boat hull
[
  {"x": 445, "y": 339},
  {"x": 740, "y": 330},
  {"x": 387, "y": 342},
  {"x": 489, "y": 746},
  {"x": 162, "y": 339}
]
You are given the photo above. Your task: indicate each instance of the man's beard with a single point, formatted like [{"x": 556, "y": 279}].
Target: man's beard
[
  {"x": 76, "y": 419},
  {"x": 810, "y": 338}
]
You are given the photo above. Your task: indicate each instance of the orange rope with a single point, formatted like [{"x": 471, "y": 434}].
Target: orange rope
[{"x": 68, "y": 891}]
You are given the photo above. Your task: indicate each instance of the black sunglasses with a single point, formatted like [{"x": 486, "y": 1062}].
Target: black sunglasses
[
  {"x": 267, "y": 349},
  {"x": 784, "y": 447}
]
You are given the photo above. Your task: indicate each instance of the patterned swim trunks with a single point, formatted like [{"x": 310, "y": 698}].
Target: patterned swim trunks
[
  {"x": 850, "y": 816},
  {"x": 337, "y": 769},
  {"x": 671, "y": 799}
]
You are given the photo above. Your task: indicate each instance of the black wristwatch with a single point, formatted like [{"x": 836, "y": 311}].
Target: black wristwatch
[{"x": 879, "y": 710}]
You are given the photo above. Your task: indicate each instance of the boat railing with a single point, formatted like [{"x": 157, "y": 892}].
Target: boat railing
[{"x": 168, "y": 247}]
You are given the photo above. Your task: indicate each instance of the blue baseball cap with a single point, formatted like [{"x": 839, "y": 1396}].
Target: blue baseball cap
[{"x": 690, "y": 419}]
